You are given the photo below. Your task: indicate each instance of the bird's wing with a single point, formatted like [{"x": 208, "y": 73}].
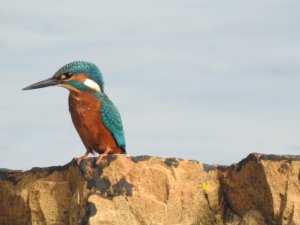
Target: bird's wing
[{"x": 112, "y": 120}]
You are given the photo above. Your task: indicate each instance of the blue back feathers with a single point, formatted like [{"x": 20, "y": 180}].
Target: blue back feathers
[
  {"x": 87, "y": 68},
  {"x": 112, "y": 119}
]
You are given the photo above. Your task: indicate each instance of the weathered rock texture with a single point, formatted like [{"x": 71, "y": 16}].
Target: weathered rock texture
[{"x": 260, "y": 190}]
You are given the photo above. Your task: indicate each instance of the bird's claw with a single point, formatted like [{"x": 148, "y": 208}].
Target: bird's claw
[
  {"x": 101, "y": 158},
  {"x": 78, "y": 160}
]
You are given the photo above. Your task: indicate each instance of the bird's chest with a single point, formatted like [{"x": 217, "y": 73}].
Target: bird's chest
[
  {"x": 85, "y": 113},
  {"x": 84, "y": 106}
]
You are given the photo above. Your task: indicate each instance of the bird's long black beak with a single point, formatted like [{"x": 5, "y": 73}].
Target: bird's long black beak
[{"x": 44, "y": 83}]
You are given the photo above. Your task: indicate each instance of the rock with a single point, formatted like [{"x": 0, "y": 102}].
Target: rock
[
  {"x": 269, "y": 184},
  {"x": 151, "y": 190},
  {"x": 55, "y": 195},
  {"x": 260, "y": 190}
]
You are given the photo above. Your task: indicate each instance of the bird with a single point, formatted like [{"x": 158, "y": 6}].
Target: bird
[{"x": 95, "y": 117}]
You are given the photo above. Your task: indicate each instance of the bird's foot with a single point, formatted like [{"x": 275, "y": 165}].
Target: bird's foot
[
  {"x": 78, "y": 160},
  {"x": 103, "y": 156}
]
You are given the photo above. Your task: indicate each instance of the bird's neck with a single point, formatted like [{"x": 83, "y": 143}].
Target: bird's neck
[
  {"x": 79, "y": 96},
  {"x": 85, "y": 97}
]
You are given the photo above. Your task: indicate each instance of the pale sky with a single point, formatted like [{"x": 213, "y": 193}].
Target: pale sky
[{"x": 206, "y": 80}]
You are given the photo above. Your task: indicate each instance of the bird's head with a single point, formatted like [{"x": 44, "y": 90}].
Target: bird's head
[{"x": 75, "y": 76}]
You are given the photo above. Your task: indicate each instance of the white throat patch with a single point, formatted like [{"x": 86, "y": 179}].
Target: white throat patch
[{"x": 92, "y": 84}]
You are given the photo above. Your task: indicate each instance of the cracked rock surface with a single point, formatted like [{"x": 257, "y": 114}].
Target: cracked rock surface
[{"x": 259, "y": 190}]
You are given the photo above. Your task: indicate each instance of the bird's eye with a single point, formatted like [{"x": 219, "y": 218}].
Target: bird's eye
[{"x": 66, "y": 75}]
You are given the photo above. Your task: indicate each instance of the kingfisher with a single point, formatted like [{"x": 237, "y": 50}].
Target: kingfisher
[{"x": 95, "y": 117}]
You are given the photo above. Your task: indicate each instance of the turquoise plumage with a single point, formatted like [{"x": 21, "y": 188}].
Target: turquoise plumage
[
  {"x": 112, "y": 119},
  {"x": 83, "y": 67}
]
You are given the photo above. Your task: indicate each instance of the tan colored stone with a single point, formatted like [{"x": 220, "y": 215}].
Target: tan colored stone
[
  {"x": 155, "y": 191},
  {"x": 266, "y": 183},
  {"x": 143, "y": 190},
  {"x": 42, "y": 196}
]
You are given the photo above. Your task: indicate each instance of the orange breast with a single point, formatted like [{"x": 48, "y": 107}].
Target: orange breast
[{"x": 86, "y": 117}]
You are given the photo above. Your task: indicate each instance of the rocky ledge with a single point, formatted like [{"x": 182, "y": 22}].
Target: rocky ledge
[{"x": 259, "y": 190}]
